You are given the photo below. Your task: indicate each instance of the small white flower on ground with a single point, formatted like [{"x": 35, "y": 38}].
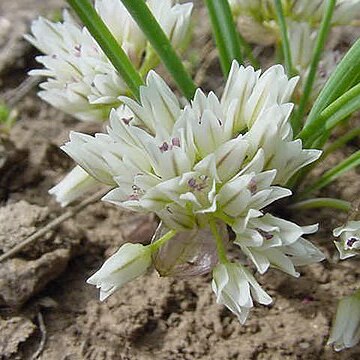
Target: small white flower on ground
[
  {"x": 349, "y": 242},
  {"x": 234, "y": 287},
  {"x": 128, "y": 263},
  {"x": 345, "y": 332}
]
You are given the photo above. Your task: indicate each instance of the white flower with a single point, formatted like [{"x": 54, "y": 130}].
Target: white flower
[
  {"x": 234, "y": 287},
  {"x": 271, "y": 241},
  {"x": 74, "y": 185},
  {"x": 128, "y": 263},
  {"x": 345, "y": 332},
  {"x": 81, "y": 80},
  {"x": 349, "y": 242}
]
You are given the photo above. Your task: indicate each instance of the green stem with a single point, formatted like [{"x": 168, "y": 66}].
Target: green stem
[
  {"x": 161, "y": 44},
  {"x": 108, "y": 44},
  {"x": 225, "y": 218},
  {"x": 341, "y": 141},
  {"x": 284, "y": 37},
  {"x": 158, "y": 243},
  {"x": 219, "y": 242},
  {"x": 319, "y": 46},
  {"x": 321, "y": 203},
  {"x": 347, "y": 164},
  {"x": 225, "y": 33}
]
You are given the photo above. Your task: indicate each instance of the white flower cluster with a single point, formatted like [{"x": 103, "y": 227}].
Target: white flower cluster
[
  {"x": 81, "y": 80},
  {"x": 257, "y": 22},
  {"x": 215, "y": 160}
]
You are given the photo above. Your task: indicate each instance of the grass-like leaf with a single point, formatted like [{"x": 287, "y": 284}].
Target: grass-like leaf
[
  {"x": 340, "y": 142},
  {"x": 321, "y": 203},
  {"x": 331, "y": 175},
  {"x": 316, "y": 55},
  {"x": 108, "y": 44},
  {"x": 284, "y": 37},
  {"x": 335, "y": 113},
  {"x": 225, "y": 33},
  {"x": 345, "y": 76},
  {"x": 161, "y": 44}
]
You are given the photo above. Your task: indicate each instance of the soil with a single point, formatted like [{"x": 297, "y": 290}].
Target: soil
[{"x": 47, "y": 311}]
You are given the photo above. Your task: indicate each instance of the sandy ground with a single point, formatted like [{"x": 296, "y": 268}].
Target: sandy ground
[{"x": 47, "y": 311}]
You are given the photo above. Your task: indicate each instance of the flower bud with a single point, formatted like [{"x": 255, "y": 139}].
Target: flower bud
[
  {"x": 129, "y": 262},
  {"x": 345, "y": 332}
]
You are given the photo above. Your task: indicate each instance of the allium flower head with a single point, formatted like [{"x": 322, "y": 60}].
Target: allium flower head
[
  {"x": 81, "y": 80},
  {"x": 223, "y": 159},
  {"x": 345, "y": 332},
  {"x": 349, "y": 242}
]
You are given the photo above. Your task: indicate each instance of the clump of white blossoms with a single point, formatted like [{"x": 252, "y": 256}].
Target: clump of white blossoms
[
  {"x": 257, "y": 22},
  {"x": 348, "y": 243},
  {"x": 81, "y": 81},
  {"x": 212, "y": 164},
  {"x": 257, "y": 18}
]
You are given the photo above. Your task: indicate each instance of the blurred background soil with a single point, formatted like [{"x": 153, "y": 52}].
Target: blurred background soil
[{"x": 47, "y": 311}]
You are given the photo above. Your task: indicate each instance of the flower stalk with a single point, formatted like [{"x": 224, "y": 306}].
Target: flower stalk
[
  {"x": 219, "y": 242},
  {"x": 157, "y": 244}
]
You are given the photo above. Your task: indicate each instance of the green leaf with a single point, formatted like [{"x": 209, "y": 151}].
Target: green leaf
[
  {"x": 331, "y": 175},
  {"x": 342, "y": 107},
  {"x": 341, "y": 141},
  {"x": 321, "y": 203},
  {"x": 225, "y": 33},
  {"x": 284, "y": 37},
  {"x": 345, "y": 76},
  {"x": 335, "y": 113},
  {"x": 161, "y": 44},
  {"x": 316, "y": 55},
  {"x": 108, "y": 44}
]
